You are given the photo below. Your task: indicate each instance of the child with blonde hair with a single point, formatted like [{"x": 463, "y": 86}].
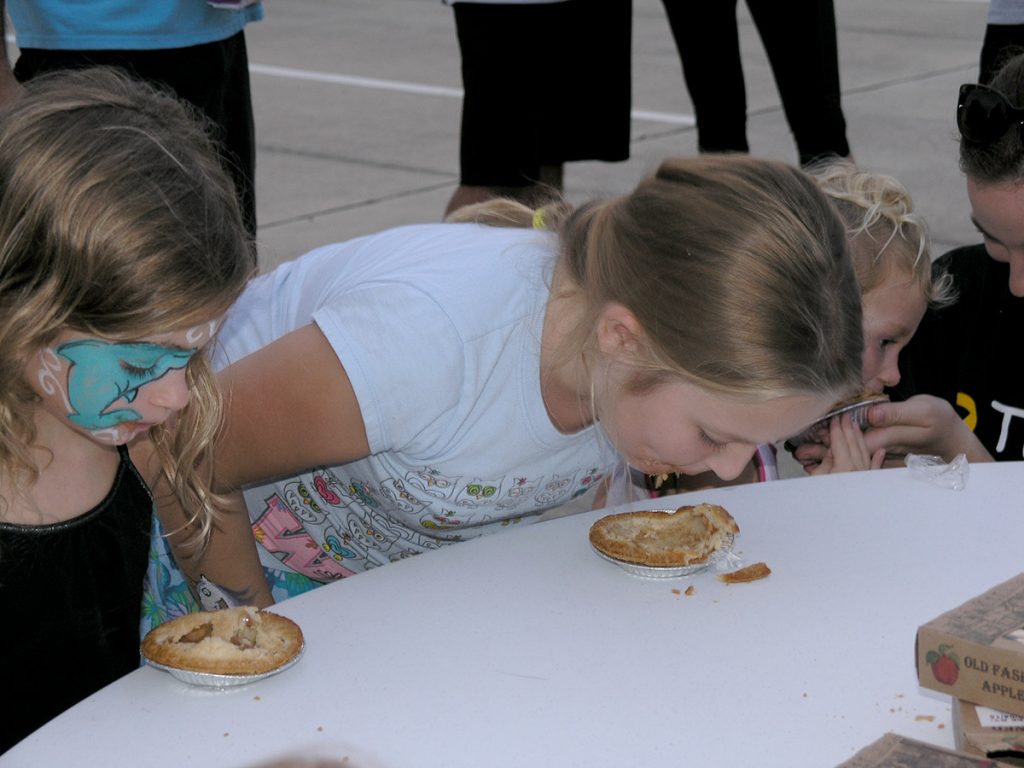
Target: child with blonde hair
[
  {"x": 121, "y": 247},
  {"x": 888, "y": 243},
  {"x": 402, "y": 391},
  {"x": 890, "y": 249}
]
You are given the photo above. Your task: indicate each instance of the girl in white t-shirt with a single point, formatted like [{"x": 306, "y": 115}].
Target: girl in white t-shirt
[{"x": 428, "y": 384}]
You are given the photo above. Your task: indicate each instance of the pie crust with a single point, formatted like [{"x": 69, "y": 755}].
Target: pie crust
[
  {"x": 234, "y": 641},
  {"x": 656, "y": 538},
  {"x": 750, "y": 573}
]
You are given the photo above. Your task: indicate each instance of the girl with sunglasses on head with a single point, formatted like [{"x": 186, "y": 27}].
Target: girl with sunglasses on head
[
  {"x": 962, "y": 372},
  {"x": 403, "y": 391}
]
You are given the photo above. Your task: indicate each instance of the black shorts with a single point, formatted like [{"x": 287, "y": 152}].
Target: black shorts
[
  {"x": 213, "y": 77},
  {"x": 544, "y": 84}
]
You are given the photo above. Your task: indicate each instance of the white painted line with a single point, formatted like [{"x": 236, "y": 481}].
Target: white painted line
[
  {"x": 662, "y": 117},
  {"x": 359, "y": 82},
  {"x": 426, "y": 90}
]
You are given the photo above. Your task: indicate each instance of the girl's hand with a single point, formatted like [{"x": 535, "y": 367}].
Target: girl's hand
[
  {"x": 810, "y": 455},
  {"x": 922, "y": 424},
  {"x": 848, "y": 450}
]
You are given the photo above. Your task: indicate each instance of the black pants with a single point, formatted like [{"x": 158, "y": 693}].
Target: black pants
[
  {"x": 544, "y": 84},
  {"x": 1002, "y": 42},
  {"x": 799, "y": 38},
  {"x": 214, "y": 77}
]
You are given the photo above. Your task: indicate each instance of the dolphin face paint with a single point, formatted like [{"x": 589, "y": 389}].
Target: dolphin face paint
[
  {"x": 102, "y": 374},
  {"x": 115, "y": 390}
]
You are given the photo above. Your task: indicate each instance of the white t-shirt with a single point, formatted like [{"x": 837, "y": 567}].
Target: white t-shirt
[{"x": 438, "y": 328}]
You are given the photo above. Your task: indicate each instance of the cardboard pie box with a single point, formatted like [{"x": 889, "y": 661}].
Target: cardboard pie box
[
  {"x": 976, "y": 652},
  {"x": 986, "y": 732},
  {"x": 892, "y": 751}
]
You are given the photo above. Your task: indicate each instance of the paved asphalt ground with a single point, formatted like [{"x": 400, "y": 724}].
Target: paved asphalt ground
[{"x": 358, "y": 101}]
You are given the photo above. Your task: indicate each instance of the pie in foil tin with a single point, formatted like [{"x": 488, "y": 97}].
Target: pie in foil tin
[
  {"x": 723, "y": 555},
  {"x": 233, "y": 646},
  {"x": 665, "y": 543},
  {"x": 214, "y": 680}
]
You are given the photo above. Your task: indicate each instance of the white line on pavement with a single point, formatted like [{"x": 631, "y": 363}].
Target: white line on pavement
[{"x": 426, "y": 90}]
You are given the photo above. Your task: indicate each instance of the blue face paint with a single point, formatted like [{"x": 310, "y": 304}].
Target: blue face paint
[{"x": 102, "y": 373}]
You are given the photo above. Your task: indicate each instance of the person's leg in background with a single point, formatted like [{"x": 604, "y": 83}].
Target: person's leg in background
[
  {"x": 1004, "y": 36},
  {"x": 803, "y": 52},
  {"x": 228, "y": 103},
  {"x": 707, "y": 39},
  {"x": 544, "y": 84},
  {"x": 500, "y": 79},
  {"x": 1002, "y": 42},
  {"x": 213, "y": 77},
  {"x": 592, "y": 96}
]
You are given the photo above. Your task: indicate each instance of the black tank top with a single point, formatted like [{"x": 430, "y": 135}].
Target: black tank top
[{"x": 70, "y": 603}]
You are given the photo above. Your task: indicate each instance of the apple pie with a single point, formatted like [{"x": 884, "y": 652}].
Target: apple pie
[
  {"x": 234, "y": 641},
  {"x": 748, "y": 574},
  {"x": 658, "y": 538}
]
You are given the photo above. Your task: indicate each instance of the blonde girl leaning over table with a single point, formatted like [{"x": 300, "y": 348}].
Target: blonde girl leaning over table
[
  {"x": 890, "y": 250},
  {"x": 429, "y": 384},
  {"x": 121, "y": 247}
]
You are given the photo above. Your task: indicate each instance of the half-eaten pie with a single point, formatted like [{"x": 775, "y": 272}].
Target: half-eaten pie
[{"x": 658, "y": 538}]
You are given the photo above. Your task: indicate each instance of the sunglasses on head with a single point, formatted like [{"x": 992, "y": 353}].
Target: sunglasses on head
[{"x": 983, "y": 114}]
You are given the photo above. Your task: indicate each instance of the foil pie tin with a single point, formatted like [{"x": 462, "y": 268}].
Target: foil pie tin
[
  {"x": 720, "y": 555},
  {"x": 816, "y": 432},
  {"x": 214, "y": 680}
]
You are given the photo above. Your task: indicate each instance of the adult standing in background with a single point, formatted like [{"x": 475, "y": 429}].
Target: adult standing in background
[
  {"x": 963, "y": 365},
  {"x": 195, "y": 48},
  {"x": 800, "y": 40},
  {"x": 1004, "y": 36},
  {"x": 545, "y": 82}
]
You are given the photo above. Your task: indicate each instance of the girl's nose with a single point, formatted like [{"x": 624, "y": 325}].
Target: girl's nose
[
  {"x": 729, "y": 462},
  {"x": 169, "y": 391},
  {"x": 890, "y": 373}
]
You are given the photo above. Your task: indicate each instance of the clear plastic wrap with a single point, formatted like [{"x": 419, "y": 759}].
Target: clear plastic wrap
[{"x": 952, "y": 475}]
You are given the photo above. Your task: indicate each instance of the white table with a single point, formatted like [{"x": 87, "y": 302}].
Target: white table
[{"x": 525, "y": 648}]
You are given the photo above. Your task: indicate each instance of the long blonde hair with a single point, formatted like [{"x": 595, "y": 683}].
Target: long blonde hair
[
  {"x": 886, "y": 234},
  {"x": 116, "y": 220},
  {"x": 737, "y": 269}
]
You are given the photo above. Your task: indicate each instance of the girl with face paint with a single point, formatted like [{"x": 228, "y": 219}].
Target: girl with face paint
[{"x": 121, "y": 248}]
